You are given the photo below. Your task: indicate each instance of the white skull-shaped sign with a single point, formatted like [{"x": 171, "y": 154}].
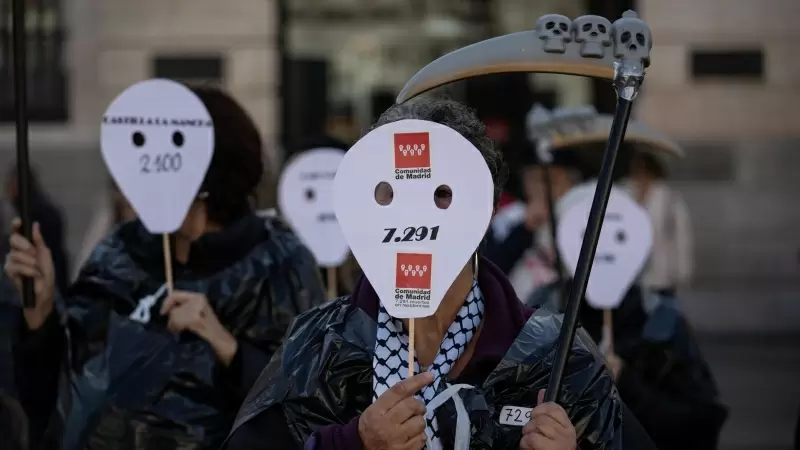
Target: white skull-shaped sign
[
  {"x": 622, "y": 249},
  {"x": 305, "y": 197},
  {"x": 414, "y": 199},
  {"x": 157, "y": 141}
]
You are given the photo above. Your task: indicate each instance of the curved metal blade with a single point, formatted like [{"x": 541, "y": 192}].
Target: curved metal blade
[{"x": 517, "y": 52}]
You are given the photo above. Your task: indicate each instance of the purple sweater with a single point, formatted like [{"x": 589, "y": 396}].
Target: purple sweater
[{"x": 503, "y": 320}]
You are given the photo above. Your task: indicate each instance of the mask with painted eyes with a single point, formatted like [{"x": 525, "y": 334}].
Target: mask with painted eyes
[
  {"x": 305, "y": 198},
  {"x": 622, "y": 248},
  {"x": 157, "y": 141}
]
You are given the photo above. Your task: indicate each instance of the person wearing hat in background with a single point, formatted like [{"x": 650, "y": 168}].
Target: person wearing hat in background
[
  {"x": 657, "y": 365},
  {"x": 671, "y": 261}
]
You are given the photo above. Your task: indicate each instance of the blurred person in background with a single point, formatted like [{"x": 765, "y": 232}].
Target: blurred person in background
[
  {"x": 508, "y": 236},
  {"x": 149, "y": 370},
  {"x": 657, "y": 364},
  {"x": 112, "y": 211},
  {"x": 536, "y": 266},
  {"x": 48, "y": 216},
  {"x": 671, "y": 261}
]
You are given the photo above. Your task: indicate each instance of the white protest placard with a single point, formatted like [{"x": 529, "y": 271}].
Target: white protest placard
[
  {"x": 622, "y": 249},
  {"x": 157, "y": 141},
  {"x": 305, "y": 197},
  {"x": 414, "y": 243}
]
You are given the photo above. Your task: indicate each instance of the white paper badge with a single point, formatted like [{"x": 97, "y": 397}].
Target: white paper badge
[
  {"x": 157, "y": 140},
  {"x": 305, "y": 197},
  {"x": 622, "y": 249},
  {"x": 411, "y": 250}
]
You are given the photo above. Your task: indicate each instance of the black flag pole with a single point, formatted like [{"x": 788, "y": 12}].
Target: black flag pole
[
  {"x": 628, "y": 78},
  {"x": 21, "y": 107}
]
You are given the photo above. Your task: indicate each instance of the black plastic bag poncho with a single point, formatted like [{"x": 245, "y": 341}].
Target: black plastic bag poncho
[
  {"x": 135, "y": 386},
  {"x": 666, "y": 380},
  {"x": 323, "y": 375}
]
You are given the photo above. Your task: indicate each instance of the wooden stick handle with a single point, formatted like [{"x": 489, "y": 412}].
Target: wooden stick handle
[
  {"x": 332, "y": 283},
  {"x": 167, "y": 262},
  {"x": 608, "y": 330},
  {"x": 410, "y": 348}
]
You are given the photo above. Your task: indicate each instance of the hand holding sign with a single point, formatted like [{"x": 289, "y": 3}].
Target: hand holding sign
[
  {"x": 414, "y": 199},
  {"x": 157, "y": 141},
  {"x": 622, "y": 250}
]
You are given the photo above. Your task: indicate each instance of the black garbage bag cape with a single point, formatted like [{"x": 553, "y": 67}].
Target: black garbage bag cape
[
  {"x": 666, "y": 382},
  {"x": 132, "y": 385},
  {"x": 324, "y": 372},
  {"x": 12, "y": 416}
]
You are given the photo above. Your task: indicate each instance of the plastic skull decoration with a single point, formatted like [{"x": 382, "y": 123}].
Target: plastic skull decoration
[
  {"x": 594, "y": 35},
  {"x": 554, "y": 30},
  {"x": 632, "y": 38}
]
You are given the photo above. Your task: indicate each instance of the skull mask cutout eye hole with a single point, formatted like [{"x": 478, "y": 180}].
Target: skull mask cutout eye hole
[
  {"x": 138, "y": 139},
  {"x": 443, "y": 196},
  {"x": 384, "y": 194}
]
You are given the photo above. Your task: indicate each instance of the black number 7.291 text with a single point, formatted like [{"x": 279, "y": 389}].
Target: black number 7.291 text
[{"x": 411, "y": 234}]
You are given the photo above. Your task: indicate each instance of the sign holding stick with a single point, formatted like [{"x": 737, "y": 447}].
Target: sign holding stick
[
  {"x": 414, "y": 199},
  {"x": 622, "y": 249},
  {"x": 157, "y": 141},
  {"x": 305, "y": 197},
  {"x": 21, "y": 110}
]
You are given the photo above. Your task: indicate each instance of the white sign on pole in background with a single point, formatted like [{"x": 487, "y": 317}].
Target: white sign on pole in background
[
  {"x": 157, "y": 141},
  {"x": 436, "y": 199},
  {"x": 622, "y": 249},
  {"x": 305, "y": 197}
]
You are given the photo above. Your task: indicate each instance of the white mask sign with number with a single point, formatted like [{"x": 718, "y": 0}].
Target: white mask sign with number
[
  {"x": 622, "y": 249},
  {"x": 409, "y": 247},
  {"x": 305, "y": 197},
  {"x": 157, "y": 140}
]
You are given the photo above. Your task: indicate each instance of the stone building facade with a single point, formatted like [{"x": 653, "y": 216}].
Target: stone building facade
[
  {"x": 742, "y": 140},
  {"x": 112, "y": 44}
]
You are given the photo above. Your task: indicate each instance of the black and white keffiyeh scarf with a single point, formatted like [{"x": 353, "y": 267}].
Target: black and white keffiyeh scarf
[{"x": 390, "y": 364}]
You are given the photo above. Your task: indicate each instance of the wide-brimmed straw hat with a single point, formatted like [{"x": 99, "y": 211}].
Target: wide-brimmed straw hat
[{"x": 583, "y": 126}]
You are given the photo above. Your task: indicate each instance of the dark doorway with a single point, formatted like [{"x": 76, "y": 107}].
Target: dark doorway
[{"x": 305, "y": 105}]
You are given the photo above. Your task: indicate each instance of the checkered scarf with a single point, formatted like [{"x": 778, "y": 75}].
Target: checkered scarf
[{"x": 391, "y": 355}]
